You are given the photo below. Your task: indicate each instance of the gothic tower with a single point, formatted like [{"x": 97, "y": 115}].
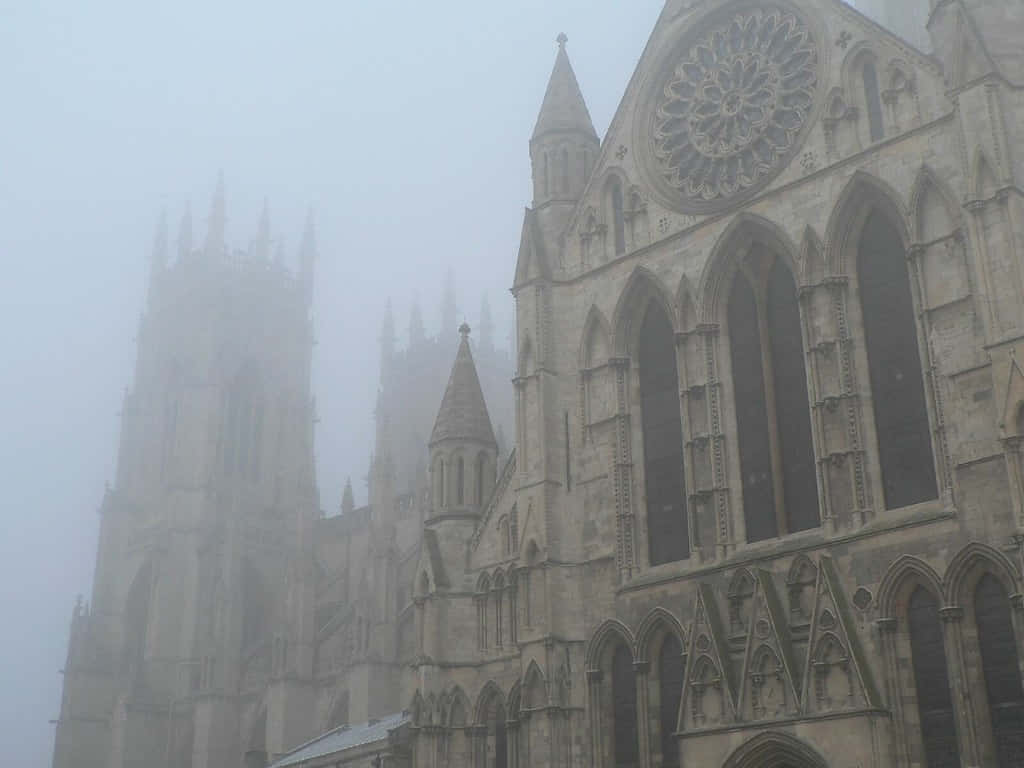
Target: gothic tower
[{"x": 201, "y": 605}]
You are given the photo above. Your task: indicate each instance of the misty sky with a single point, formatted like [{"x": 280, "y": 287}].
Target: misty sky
[{"x": 403, "y": 124}]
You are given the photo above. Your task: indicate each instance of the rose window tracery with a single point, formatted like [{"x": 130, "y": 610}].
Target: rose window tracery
[{"x": 735, "y": 105}]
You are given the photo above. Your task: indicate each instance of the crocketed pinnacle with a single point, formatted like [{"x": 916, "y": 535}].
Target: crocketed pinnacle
[
  {"x": 563, "y": 110},
  {"x": 463, "y": 413}
]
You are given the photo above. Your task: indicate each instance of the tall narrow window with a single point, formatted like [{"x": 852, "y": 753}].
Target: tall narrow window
[
  {"x": 460, "y": 481},
  {"x": 565, "y": 171},
  {"x": 624, "y": 709},
  {"x": 670, "y": 683},
  {"x": 243, "y": 428},
  {"x": 547, "y": 174},
  {"x": 780, "y": 492},
  {"x": 931, "y": 680},
  {"x": 894, "y": 367},
  {"x": 618, "y": 217},
  {"x": 667, "y": 528},
  {"x": 441, "y": 495},
  {"x": 1001, "y": 669},
  {"x": 874, "y": 101},
  {"x": 481, "y": 463}
]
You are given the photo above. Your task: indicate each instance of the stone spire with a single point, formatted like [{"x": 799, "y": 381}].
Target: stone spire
[
  {"x": 185, "y": 233},
  {"x": 348, "y": 502},
  {"x": 217, "y": 224},
  {"x": 564, "y": 146},
  {"x": 463, "y": 413},
  {"x": 563, "y": 109}
]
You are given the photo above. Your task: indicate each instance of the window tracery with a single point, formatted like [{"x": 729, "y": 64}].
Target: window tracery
[
  {"x": 667, "y": 514},
  {"x": 780, "y": 492},
  {"x": 734, "y": 106}
]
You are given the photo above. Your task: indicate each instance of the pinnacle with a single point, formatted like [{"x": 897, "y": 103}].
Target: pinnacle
[
  {"x": 463, "y": 413},
  {"x": 563, "y": 109}
]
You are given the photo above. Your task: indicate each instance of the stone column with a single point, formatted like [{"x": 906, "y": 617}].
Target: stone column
[{"x": 641, "y": 670}]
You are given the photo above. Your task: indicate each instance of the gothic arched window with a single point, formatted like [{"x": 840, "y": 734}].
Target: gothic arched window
[
  {"x": 627, "y": 750},
  {"x": 873, "y": 99},
  {"x": 481, "y": 464},
  {"x": 780, "y": 490},
  {"x": 894, "y": 367},
  {"x": 618, "y": 216},
  {"x": 670, "y": 689},
  {"x": 931, "y": 680},
  {"x": 439, "y": 483},
  {"x": 1001, "y": 670},
  {"x": 667, "y": 529}
]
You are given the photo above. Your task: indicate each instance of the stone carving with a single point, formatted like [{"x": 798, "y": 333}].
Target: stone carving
[{"x": 735, "y": 105}]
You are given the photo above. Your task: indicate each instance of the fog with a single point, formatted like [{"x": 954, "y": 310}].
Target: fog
[{"x": 404, "y": 126}]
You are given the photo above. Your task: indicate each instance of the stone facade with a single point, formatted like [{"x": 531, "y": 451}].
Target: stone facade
[{"x": 821, "y": 227}]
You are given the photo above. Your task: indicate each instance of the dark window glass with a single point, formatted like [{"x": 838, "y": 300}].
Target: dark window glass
[
  {"x": 460, "y": 480},
  {"x": 670, "y": 665},
  {"x": 500, "y": 741},
  {"x": 934, "y": 701},
  {"x": 618, "y": 218},
  {"x": 667, "y": 529},
  {"x": 792, "y": 405},
  {"x": 480, "y": 463},
  {"x": 873, "y": 100},
  {"x": 751, "y": 413},
  {"x": 1002, "y": 671},
  {"x": 894, "y": 367},
  {"x": 565, "y": 171},
  {"x": 624, "y": 708}
]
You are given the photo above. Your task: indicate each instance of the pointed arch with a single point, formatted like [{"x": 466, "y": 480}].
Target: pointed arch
[
  {"x": 801, "y": 570},
  {"x": 970, "y": 564},
  {"x": 490, "y": 696},
  {"x": 905, "y": 574},
  {"x": 655, "y": 625},
  {"x": 642, "y": 289},
  {"x": 515, "y": 700},
  {"x": 730, "y": 250},
  {"x": 534, "y": 687},
  {"x": 936, "y": 213},
  {"x": 775, "y": 750},
  {"x": 860, "y": 73},
  {"x": 863, "y": 194},
  {"x": 457, "y": 715},
  {"x": 596, "y": 340},
  {"x": 609, "y": 633}
]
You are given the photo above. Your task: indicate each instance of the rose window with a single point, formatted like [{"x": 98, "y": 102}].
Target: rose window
[{"x": 734, "y": 107}]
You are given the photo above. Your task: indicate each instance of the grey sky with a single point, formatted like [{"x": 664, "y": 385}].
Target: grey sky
[{"x": 405, "y": 126}]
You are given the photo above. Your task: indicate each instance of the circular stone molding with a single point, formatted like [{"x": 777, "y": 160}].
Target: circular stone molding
[{"x": 738, "y": 96}]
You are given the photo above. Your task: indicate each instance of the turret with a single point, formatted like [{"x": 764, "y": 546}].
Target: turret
[
  {"x": 564, "y": 146},
  {"x": 348, "y": 502},
  {"x": 463, "y": 451},
  {"x": 158, "y": 260}
]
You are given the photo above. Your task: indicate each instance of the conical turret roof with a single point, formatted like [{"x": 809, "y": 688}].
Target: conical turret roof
[
  {"x": 563, "y": 110},
  {"x": 463, "y": 413}
]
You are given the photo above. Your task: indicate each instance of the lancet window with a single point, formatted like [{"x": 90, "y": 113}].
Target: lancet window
[
  {"x": 627, "y": 752},
  {"x": 931, "y": 680},
  {"x": 668, "y": 535},
  {"x": 780, "y": 492},
  {"x": 894, "y": 366}
]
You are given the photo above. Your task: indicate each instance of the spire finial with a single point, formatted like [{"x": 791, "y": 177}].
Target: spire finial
[
  {"x": 562, "y": 39},
  {"x": 464, "y": 329}
]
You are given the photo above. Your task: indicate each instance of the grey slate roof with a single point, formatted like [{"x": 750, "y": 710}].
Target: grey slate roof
[
  {"x": 343, "y": 738},
  {"x": 463, "y": 413},
  {"x": 564, "y": 109}
]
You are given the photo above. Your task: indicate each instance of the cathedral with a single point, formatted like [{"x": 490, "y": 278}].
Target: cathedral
[{"x": 762, "y": 499}]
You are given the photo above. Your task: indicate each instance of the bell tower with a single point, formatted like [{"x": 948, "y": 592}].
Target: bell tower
[{"x": 205, "y": 536}]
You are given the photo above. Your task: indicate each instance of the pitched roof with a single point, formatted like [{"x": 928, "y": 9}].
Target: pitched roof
[
  {"x": 345, "y": 737},
  {"x": 563, "y": 109},
  {"x": 463, "y": 413}
]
